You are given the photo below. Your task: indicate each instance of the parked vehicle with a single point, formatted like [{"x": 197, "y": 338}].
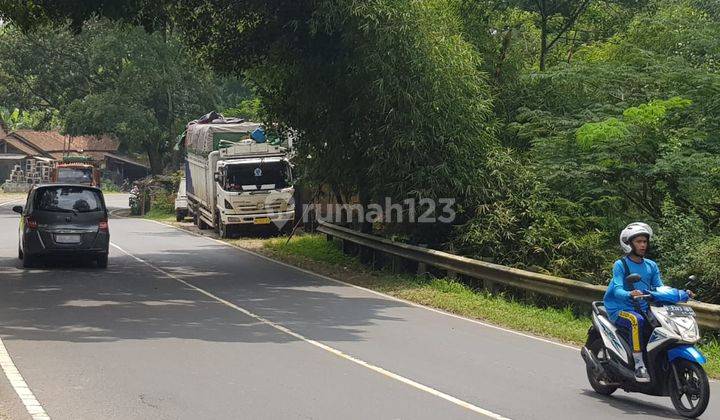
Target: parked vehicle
[
  {"x": 63, "y": 219},
  {"x": 181, "y": 202},
  {"x": 76, "y": 170},
  {"x": 234, "y": 178},
  {"x": 673, "y": 362}
]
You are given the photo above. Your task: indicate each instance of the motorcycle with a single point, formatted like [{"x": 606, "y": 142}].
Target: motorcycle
[
  {"x": 134, "y": 201},
  {"x": 671, "y": 358}
]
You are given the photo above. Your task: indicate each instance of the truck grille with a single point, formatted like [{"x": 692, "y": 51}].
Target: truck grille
[{"x": 262, "y": 207}]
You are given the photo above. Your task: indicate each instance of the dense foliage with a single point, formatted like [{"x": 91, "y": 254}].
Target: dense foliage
[{"x": 553, "y": 123}]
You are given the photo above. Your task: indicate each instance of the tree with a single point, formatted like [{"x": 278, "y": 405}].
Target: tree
[
  {"x": 42, "y": 72},
  {"x": 323, "y": 69},
  {"x": 109, "y": 79},
  {"x": 149, "y": 90},
  {"x": 557, "y": 18}
]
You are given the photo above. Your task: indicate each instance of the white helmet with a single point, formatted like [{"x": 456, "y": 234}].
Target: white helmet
[{"x": 631, "y": 231}]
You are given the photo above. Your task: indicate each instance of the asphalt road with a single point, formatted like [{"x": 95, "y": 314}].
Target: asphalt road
[{"x": 181, "y": 326}]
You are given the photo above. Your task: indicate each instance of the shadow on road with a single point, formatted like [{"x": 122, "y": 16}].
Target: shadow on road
[
  {"x": 62, "y": 301},
  {"x": 624, "y": 404}
]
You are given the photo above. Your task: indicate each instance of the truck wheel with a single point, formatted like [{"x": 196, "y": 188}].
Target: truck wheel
[
  {"x": 222, "y": 229},
  {"x": 179, "y": 216}
]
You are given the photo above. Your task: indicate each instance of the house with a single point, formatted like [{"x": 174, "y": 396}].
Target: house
[{"x": 51, "y": 146}]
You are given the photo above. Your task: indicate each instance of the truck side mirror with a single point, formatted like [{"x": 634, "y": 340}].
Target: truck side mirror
[
  {"x": 217, "y": 176},
  {"x": 18, "y": 209}
]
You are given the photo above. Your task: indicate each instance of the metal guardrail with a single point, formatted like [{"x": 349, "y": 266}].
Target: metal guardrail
[{"x": 707, "y": 315}]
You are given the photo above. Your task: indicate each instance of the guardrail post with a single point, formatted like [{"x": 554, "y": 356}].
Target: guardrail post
[
  {"x": 365, "y": 254},
  {"x": 489, "y": 286},
  {"x": 328, "y": 237},
  {"x": 376, "y": 259},
  {"x": 345, "y": 246},
  {"x": 421, "y": 267},
  {"x": 396, "y": 264}
]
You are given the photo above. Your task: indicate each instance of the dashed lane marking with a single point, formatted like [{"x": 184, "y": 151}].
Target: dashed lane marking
[{"x": 367, "y": 365}]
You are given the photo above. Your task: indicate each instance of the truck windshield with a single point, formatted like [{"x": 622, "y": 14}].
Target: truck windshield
[
  {"x": 266, "y": 175},
  {"x": 75, "y": 175}
]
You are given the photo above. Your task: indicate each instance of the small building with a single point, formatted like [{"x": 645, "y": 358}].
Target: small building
[{"x": 20, "y": 146}]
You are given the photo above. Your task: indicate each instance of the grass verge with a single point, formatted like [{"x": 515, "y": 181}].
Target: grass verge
[
  {"x": 159, "y": 215},
  {"x": 314, "y": 253}
]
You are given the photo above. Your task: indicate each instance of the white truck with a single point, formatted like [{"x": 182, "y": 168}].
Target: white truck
[{"x": 233, "y": 180}]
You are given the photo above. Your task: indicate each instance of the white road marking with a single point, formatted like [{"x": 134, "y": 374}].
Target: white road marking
[
  {"x": 375, "y": 292},
  {"x": 32, "y": 405},
  {"x": 17, "y": 200},
  {"x": 325, "y": 347}
]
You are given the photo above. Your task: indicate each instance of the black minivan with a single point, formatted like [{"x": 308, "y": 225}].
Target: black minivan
[{"x": 65, "y": 220}]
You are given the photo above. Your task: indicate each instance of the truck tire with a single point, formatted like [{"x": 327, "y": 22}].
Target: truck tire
[
  {"x": 201, "y": 223},
  {"x": 222, "y": 229}
]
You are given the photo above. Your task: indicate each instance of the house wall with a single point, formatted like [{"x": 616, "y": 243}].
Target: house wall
[{"x": 6, "y": 166}]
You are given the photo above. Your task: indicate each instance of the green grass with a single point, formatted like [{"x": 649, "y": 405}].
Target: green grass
[
  {"x": 160, "y": 215},
  {"x": 449, "y": 295},
  {"x": 314, "y": 247}
]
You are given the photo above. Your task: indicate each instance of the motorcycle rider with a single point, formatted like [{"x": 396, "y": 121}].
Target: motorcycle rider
[{"x": 634, "y": 240}]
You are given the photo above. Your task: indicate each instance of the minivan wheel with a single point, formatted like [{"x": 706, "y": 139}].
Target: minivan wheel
[
  {"x": 29, "y": 261},
  {"x": 102, "y": 261}
]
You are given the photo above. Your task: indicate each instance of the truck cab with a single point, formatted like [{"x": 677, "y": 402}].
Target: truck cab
[
  {"x": 76, "y": 173},
  {"x": 253, "y": 186}
]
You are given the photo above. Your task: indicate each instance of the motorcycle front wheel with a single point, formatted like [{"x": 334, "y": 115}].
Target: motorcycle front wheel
[
  {"x": 597, "y": 348},
  {"x": 692, "y": 395}
]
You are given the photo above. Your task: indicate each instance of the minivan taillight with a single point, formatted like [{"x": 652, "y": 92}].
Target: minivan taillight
[
  {"x": 31, "y": 223},
  {"x": 103, "y": 225}
]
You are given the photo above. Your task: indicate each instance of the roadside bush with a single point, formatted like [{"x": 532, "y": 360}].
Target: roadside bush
[
  {"x": 163, "y": 201},
  {"x": 526, "y": 225},
  {"x": 704, "y": 263},
  {"x": 109, "y": 186},
  {"x": 676, "y": 241}
]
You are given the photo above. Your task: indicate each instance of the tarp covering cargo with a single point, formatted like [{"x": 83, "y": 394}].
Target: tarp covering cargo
[{"x": 205, "y": 138}]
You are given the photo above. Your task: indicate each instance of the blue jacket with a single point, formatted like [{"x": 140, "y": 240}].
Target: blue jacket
[{"x": 617, "y": 298}]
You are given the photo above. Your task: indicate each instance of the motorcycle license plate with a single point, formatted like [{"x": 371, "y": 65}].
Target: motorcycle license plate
[
  {"x": 677, "y": 310},
  {"x": 262, "y": 221}
]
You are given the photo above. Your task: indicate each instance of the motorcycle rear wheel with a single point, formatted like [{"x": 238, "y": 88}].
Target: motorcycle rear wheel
[
  {"x": 598, "y": 350},
  {"x": 693, "y": 396}
]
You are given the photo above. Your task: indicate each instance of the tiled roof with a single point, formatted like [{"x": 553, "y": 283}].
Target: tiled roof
[
  {"x": 96, "y": 156},
  {"x": 53, "y": 141},
  {"x": 12, "y": 141}
]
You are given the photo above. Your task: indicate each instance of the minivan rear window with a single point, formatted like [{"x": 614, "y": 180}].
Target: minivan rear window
[{"x": 68, "y": 199}]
